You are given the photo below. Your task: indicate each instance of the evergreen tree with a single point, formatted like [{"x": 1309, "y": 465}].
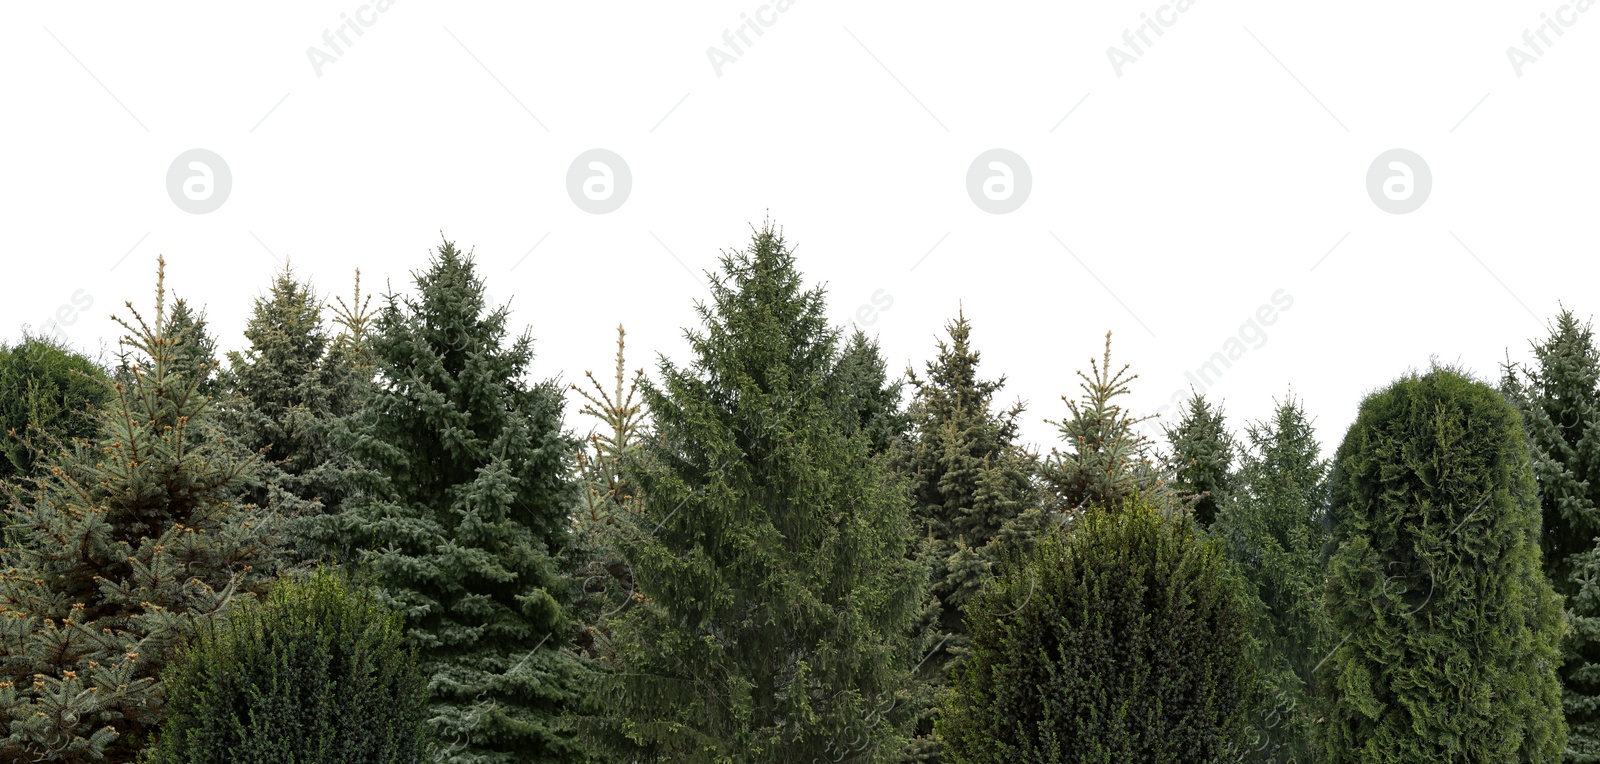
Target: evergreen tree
[
  {"x": 776, "y": 590},
  {"x": 1202, "y": 457},
  {"x": 1272, "y": 525},
  {"x": 288, "y": 389},
  {"x": 970, "y": 481},
  {"x": 873, "y": 397},
  {"x": 1122, "y": 641},
  {"x": 1107, "y": 462},
  {"x": 46, "y": 393},
  {"x": 1451, "y": 635},
  {"x": 1560, "y": 406},
  {"x": 465, "y": 506},
  {"x": 117, "y": 553}
]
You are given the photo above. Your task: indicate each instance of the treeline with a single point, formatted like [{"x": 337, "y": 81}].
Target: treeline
[{"x": 371, "y": 536}]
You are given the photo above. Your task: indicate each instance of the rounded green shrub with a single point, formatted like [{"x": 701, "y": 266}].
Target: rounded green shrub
[
  {"x": 49, "y": 388},
  {"x": 1121, "y": 640},
  {"x": 1449, "y": 631},
  {"x": 317, "y": 672}
]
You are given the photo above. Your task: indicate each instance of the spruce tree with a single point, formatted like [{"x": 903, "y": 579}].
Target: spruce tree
[
  {"x": 465, "y": 506},
  {"x": 1202, "y": 456},
  {"x": 1560, "y": 406},
  {"x": 1451, "y": 635},
  {"x": 1272, "y": 526},
  {"x": 970, "y": 481},
  {"x": 118, "y": 552},
  {"x": 1122, "y": 641},
  {"x": 46, "y": 393},
  {"x": 874, "y": 398},
  {"x": 1106, "y": 461},
  {"x": 776, "y": 590}
]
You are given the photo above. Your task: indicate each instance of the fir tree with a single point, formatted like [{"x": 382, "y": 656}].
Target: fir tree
[
  {"x": 970, "y": 481},
  {"x": 776, "y": 590},
  {"x": 465, "y": 506},
  {"x": 46, "y": 393},
  {"x": 874, "y": 398},
  {"x": 118, "y": 552},
  {"x": 1451, "y": 634},
  {"x": 1107, "y": 462},
  {"x": 1202, "y": 457},
  {"x": 1272, "y": 526},
  {"x": 1560, "y": 407}
]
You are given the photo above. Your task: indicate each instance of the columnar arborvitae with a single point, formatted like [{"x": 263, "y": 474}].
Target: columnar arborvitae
[
  {"x": 776, "y": 591},
  {"x": 1123, "y": 640},
  {"x": 1450, "y": 634},
  {"x": 287, "y": 391},
  {"x": 466, "y": 503},
  {"x": 1272, "y": 525},
  {"x": 1106, "y": 461},
  {"x": 46, "y": 391},
  {"x": 970, "y": 479},
  {"x": 1560, "y": 406},
  {"x": 117, "y": 553},
  {"x": 1202, "y": 456}
]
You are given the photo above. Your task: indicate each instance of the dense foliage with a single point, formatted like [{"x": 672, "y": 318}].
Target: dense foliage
[
  {"x": 315, "y": 673},
  {"x": 46, "y": 393}
]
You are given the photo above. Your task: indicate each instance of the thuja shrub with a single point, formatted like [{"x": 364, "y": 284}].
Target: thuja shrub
[
  {"x": 316, "y": 672},
  {"x": 1121, "y": 640}
]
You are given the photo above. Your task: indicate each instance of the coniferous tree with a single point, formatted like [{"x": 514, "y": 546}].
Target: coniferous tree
[
  {"x": 1560, "y": 406},
  {"x": 1202, "y": 457},
  {"x": 873, "y": 396},
  {"x": 1451, "y": 636},
  {"x": 46, "y": 393},
  {"x": 464, "y": 508},
  {"x": 1106, "y": 462},
  {"x": 1122, "y": 641},
  {"x": 970, "y": 482},
  {"x": 1272, "y": 526},
  {"x": 118, "y": 552},
  {"x": 776, "y": 590}
]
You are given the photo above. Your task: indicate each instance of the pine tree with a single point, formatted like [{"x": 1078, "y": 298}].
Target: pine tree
[
  {"x": 1202, "y": 457},
  {"x": 1560, "y": 406},
  {"x": 1122, "y": 641},
  {"x": 287, "y": 391},
  {"x": 1272, "y": 526},
  {"x": 970, "y": 480},
  {"x": 465, "y": 507},
  {"x": 46, "y": 393},
  {"x": 873, "y": 396},
  {"x": 120, "y": 551},
  {"x": 776, "y": 590},
  {"x": 1107, "y": 462},
  {"x": 1451, "y": 635}
]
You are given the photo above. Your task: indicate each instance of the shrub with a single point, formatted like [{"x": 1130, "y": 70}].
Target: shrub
[
  {"x": 1123, "y": 640},
  {"x": 316, "y": 672}
]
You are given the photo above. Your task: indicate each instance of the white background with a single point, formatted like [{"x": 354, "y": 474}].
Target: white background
[{"x": 1190, "y": 188}]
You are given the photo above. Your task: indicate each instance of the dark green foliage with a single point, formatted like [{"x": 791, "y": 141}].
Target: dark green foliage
[
  {"x": 776, "y": 590},
  {"x": 1122, "y": 641},
  {"x": 873, "y": 397},
  {"x": 316, "y": 673},
  {"x": 970, "y": 481},
  {"x": 1450, "y": 633},
  {"x": 46, "y": 391},
  {"x": 1202, "y": 457},
  {"x": 467, "y": 502},
  {"x": 1106, "y": 462},
  {"x": 117, "y": 553},
  {"x": 288, "y": 390},
  {"x": 1560, "y": 407},
  {"x": 1272, "y": 525}
]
